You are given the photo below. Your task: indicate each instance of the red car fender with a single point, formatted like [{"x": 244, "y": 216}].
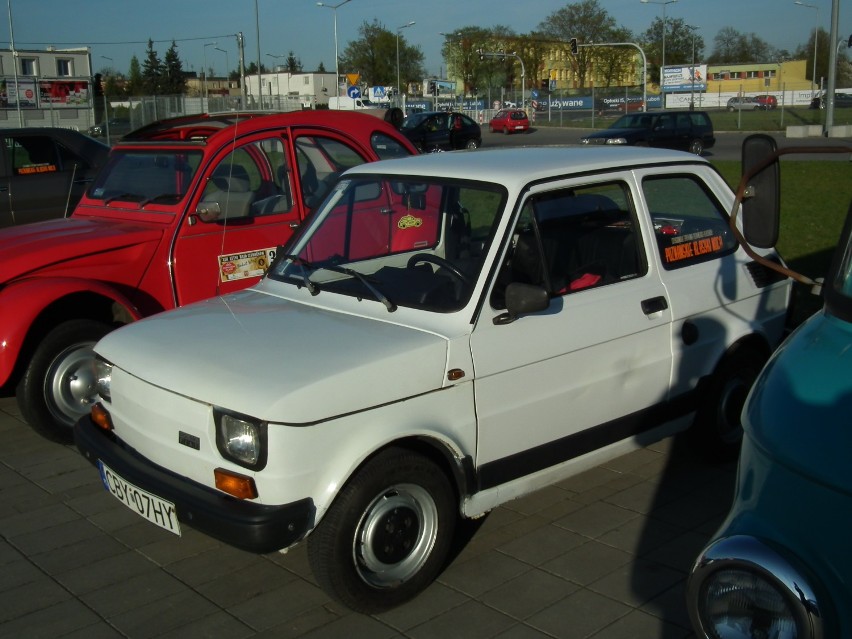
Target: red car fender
[{"x": 26, "y": 299}]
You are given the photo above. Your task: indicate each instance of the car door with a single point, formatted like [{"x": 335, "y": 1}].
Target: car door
[
  {"x": 592, "y": 368},
  {"x": 250, "y": 200}
]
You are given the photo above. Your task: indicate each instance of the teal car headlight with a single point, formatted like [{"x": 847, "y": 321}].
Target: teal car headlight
[
  {"x": 241, "y": 439},
  {"x": 103, "y": 378},
  {"x": 740, "y": 588}
]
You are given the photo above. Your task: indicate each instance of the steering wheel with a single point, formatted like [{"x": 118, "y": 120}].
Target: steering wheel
[{"x": 440, "y": 262}]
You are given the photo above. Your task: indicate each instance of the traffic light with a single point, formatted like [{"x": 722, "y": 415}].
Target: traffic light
[
  {"x": 574, "y": 46},
  {"x": 545, "y": 84},
  {"x": 432, "y": 88}
]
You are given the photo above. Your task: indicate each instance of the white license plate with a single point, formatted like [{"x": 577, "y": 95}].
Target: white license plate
[{"x": 157, "y": 511}]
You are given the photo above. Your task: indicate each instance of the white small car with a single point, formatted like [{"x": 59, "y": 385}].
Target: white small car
[{"x": 447, "y": 333}]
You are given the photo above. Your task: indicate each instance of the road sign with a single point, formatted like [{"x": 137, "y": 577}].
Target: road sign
[{"x": 353, "y": 92}]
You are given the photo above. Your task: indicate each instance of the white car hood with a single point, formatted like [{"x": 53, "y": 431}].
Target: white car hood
[{"x": 278, "y": 360}]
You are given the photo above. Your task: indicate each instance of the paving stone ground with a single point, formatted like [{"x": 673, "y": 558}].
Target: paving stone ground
[{"x": 603, "y": 555}]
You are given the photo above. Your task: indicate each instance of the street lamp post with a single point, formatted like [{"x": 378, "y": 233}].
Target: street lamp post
[
  {"x": 398, "y": 85},
  {"x": 227, "y": 67},
  {"x": 204, "y": 86},
  {"x": 334, "y": 8},
  {"x": 663, "y": 54},
  {"x": 816, "y": 35},
  {"x": 693, "y": 28},
  {"x": 14, "y": 66}
]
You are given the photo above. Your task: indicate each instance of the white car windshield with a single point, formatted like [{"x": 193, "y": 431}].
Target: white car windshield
[{"x": 415, "y": 242}]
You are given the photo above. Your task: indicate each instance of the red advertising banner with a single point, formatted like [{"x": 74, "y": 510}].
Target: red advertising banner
[{"x": 72, "y": 93}]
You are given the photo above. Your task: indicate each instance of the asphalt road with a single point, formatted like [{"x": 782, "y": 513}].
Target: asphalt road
[{"x": 728, "y": 143}]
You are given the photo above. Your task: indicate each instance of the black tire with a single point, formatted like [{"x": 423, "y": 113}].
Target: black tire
[
  {"x": 717, "y": 430},
  {"x": 696, "y": 147},
  {"x": 387, "y": 534},
  {"x": 506, "y": 130},
  {"x": 472, "y": 144},
  {"x": 57, "y": 387}
]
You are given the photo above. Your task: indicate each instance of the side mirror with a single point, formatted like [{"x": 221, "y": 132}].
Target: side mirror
[
  {"x": 761, "y": 202},
  {"x": 522, "y": 299},
  {"x": 208, "y": 211}
]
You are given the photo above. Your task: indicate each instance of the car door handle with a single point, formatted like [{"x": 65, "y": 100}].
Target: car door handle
[{"x": 654, "y": 305}]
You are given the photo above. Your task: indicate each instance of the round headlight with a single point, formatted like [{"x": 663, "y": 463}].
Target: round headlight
[
  {"x": 741, "y": 588},
  {"x": 103, "y": 378},
  {"x": 739, "y": 604}
]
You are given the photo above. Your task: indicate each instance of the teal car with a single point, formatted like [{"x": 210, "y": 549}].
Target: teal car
[{"x": 780, "y": 566}]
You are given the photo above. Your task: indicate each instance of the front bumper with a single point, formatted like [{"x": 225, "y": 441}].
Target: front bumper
[{"x": 243, "y": 524}]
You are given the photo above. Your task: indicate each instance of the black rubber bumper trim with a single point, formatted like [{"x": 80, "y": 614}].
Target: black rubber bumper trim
[{"x": 243, "y": 524}]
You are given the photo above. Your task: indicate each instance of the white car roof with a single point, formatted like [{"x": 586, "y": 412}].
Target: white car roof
[{"x": 514, "y": 167}]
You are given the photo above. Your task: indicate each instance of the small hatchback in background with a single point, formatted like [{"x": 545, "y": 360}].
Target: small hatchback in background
[
  {"x": 510, "y": 121},
  {"x": 767, "y": 101},
  {"x": 744, "y": 103}
]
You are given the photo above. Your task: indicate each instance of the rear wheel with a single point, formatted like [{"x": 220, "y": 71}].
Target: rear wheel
[
  {"x": 58, "y": 386},
  {"x": 696, "y": 147},
  {"x": 387, "y": 534},
  {"x": 717, "y": 430},
  {"x": 472, "y": 144}
]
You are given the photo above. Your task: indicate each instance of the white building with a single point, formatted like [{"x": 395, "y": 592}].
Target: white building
[
  {"x": 50, "y": 87},
  {"x": 299, "y": 90}
]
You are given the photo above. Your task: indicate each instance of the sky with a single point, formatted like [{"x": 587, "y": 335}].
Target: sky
[{"x": 115, "y": 30}]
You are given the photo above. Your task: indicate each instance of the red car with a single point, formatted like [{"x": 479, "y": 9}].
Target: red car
[
  {"x": 510, "y": 121},
  {"x": 184, "y": 209},
  {"x": 766, "y": 101}
]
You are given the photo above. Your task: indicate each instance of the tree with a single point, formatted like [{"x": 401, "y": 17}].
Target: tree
[
  {"x": 732, "y": 47},
  {"x": 152, "y": 71},
  {"x": 461, "y": 51},
  {"x": 293, "y": 64},
  {"x": 373, "y": 56},
  {"x": 135, "y": 85},
  {"x": 251, "y": 69},
  {"x": 616, "y": 63},
  {"x": 173, "y": 81},
  {"x": 823, "y": 53},
  {"x": 678, "y": 43},
  {"x": 586, "y": 21}
]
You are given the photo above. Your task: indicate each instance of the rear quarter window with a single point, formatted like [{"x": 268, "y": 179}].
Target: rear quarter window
[
  {"x": 387, "y": 148},
  {"x": 690, "y": 225}
]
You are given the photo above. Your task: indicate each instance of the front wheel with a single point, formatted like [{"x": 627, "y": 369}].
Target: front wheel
[
  {"x": 717, "y": 430},
  {"x": 387, "y": 534},
  {"x": 58, "y": 386}
]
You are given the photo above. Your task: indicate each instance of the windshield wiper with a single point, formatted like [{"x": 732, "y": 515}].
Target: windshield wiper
[
  {"x": 365, "y": 281},
  {"x": 313, "y": 289},
  {"x": 162, "y": 196},
  {"x": 130, "y": 197}
]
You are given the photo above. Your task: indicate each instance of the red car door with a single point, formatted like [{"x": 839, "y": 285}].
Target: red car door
[{"x": 249, "y": 201}]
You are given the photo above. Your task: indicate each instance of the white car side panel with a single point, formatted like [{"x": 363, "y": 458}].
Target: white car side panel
[{"x": 594, "y": 355}]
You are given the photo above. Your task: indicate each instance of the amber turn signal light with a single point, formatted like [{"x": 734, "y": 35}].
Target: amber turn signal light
[
  {"x": 240, "y": 486},
  {"x": 100, "y": 417}
]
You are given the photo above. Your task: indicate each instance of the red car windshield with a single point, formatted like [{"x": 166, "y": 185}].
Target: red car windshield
[{"x": 146, "y": 176}]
